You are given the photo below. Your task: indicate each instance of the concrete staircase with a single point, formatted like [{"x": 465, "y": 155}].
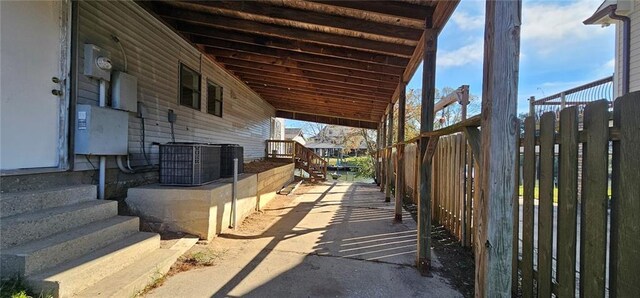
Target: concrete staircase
[{"x": 65, "y": 243}]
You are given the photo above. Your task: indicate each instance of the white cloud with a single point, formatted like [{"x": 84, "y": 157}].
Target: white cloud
[
  {"x": 554, "y": 26},
  {"x": 469, "y": 54},
  {"x": 465, "y": 21}
]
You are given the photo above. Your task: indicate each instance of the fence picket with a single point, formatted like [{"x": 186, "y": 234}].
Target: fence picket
[
  {"x": 545, "y": 204},
  {"x": 516, "y": 220},
  {"x": 593, "y": 230},
  {"x": 527, "y": 208},
  {"x": 567, "y": 202},
  {"x": 625, "y": 226}
]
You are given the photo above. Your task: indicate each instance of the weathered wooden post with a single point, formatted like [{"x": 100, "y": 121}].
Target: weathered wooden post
[
  {"x": 377, "y": 155},
  {"x": 532, "y": 107},
  {"x": 499, "y": 126},
  {"x": 387, "y": 193},
  {"x": 400, "y": 187},
  {"x": 426, "y": 125},
  {"x": 383, "y": 152}
]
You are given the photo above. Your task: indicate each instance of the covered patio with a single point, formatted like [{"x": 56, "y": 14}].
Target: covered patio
[
  {"x": 348, "y": 63},
  {"x": 331, "y": 240}
]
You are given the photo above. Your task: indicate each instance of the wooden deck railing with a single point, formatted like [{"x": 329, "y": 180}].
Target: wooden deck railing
[{"x": 303, "y": 157}]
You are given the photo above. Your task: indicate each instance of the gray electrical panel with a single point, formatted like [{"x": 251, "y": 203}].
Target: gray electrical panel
[
  {"x": 124, "y": 91},
  {"x": 101, "y": 131}
]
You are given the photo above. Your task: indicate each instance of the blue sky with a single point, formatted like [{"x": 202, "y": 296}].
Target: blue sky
[{"x": 557, "y": 51}]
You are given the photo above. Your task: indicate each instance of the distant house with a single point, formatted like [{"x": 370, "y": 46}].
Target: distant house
[
  {"x": 333, "y": 139},
  {"x": 325, "y": 149},
  {"x": 625, "y": 15},
  {"x": 295, "y": 134}
]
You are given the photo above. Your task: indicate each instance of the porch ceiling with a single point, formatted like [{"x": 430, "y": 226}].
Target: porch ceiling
[{"x": 334, "y": 62}]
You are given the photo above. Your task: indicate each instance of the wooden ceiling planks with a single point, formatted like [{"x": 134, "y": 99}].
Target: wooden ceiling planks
[{"x": 332, "y": 61}]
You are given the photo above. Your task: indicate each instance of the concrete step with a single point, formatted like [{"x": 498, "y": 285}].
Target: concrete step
[
  {"x": 56, "y": 249},
  {"x": 77, "y": 275},
  {"x": 134, "y": 278},
  {"x": 13, "y": 203},
  {"x": 22, "y": 228}
]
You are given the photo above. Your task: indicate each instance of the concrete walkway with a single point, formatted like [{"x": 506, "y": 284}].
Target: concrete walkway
[{"x": 334, "y": 240}]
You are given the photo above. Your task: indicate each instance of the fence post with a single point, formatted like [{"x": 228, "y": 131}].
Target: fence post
[
  {"x": 383, "y": 153},
  {"x": 532, "y": 108},
  {"x": 426, "y": 125},
  {"x": 399, "y": 195},
  {"x": 387, "y": 192},
  {"x": 499, "y": 125}
]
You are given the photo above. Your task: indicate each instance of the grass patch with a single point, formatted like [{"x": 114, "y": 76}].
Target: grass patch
[
  {"x": 16, "y": 288},
  {"x": 203, "y": 258},
  {"x": 197, "y": 257},
  {"x": 536, "y": 193}
]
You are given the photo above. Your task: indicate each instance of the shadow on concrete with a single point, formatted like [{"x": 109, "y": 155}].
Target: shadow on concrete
[
  {"x": 361, "y": 252},
  {"x": 295, "y": 215}
]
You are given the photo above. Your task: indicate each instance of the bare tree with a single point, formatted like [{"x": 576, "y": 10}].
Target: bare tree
[{"x": 316, "y": 130}]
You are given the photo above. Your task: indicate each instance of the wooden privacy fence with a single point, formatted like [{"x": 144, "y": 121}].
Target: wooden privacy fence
[
  {"x": 597, "y": 230},
  {"x": 453, "y": 184}
]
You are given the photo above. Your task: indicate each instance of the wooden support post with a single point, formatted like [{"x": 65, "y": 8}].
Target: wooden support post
[
  {"x": 383, "y": 152},
  {"x": 387, "y": 193},
  {"x": 532, "y": 107},
  {"x": 426, "y": 125},
  {"x": 400, "y": 187},
  {"x": 377, "y": 156},
  {"x": 499, "y": 125}
]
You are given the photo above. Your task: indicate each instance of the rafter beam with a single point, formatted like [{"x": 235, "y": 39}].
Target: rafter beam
[
  {"x": 397, "y": 9},
  {"x": 307, "y": 66},
  {"x": 312, "y": 94},
  {"x": 326, "y": 119},
  {"x": 314, "y": 87},
  {"x": 320, "y": 77},
  {"x": 311, "y": 17},
  {"x": 248, "y": 77},
  {"x": 276, "y": 57},
  {"x": 289, "y": 44},
  {"x": 218, "y": 21}
]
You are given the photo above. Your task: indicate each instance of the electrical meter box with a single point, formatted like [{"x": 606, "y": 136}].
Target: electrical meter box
[
  {"x": 124, "y": 91},
  {"x": 92, "y": 55},
  {"x": 101, "y": 131}
]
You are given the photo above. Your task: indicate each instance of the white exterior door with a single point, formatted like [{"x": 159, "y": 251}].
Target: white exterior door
[{"x": 33, "y": 51}]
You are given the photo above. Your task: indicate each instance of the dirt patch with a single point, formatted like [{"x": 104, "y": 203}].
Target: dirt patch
[
  {"x": 458, "y": 265},
  {"x": 262, "y": 165}
]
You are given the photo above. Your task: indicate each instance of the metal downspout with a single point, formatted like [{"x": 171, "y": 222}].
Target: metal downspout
[{"x": 626, "y": 31}]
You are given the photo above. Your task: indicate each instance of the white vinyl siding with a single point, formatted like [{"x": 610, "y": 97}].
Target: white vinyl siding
[
  {"x": 634, "y": 76},
  {"x": 154, "y": 53}
]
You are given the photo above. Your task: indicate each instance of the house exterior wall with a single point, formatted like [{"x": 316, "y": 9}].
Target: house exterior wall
[
  {"x": 154, "y": 53},
  {"x": 634, "y": 76}
]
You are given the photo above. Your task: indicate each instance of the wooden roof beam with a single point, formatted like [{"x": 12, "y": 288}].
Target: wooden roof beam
[
  {"x": 298, "y": 67},
  {"x": 319, "y": 94},
  {"x": 326, "y": 119},
  {"x": 289, "y": 44},
  {"x": 293, "y": 105},
  {"x": 313, "y": 96},
  {"x": 320, "y": 77},
  {"x": 269, "y": 57},
  {"x": 297, "y": 87},
  {"x": 348, "y": 112},
  {"x": 394, "y": 8},
  {"x": 311, "y": 17},
  {"x": 281, "y": 31},
  {"x": 310, "y": 82}
]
